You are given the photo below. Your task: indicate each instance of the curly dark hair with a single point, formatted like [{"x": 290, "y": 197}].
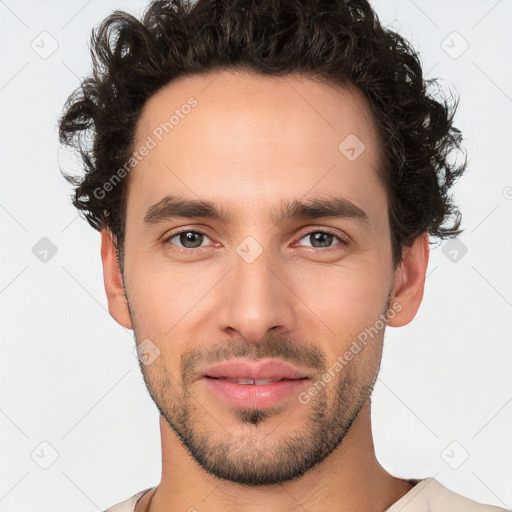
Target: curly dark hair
[{"x": 338, "y": 41}]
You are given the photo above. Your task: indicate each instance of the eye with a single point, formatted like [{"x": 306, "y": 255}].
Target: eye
[
  {"x": 188, "y": 239},
  {"x": 322, "y": 240},
  {"x": 191, "y": 239}
]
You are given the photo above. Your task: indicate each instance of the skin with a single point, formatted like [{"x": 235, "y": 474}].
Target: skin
[{"x": 251, "y": 144}]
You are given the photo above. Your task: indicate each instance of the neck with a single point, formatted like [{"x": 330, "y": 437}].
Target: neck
[{"x": 350, "y": 478}]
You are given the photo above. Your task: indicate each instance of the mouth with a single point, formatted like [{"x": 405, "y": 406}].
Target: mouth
[
  {"x": 254, "y": 384},
  {"x": 259, "y": 372},
  {"x": 254, "y": 393}
]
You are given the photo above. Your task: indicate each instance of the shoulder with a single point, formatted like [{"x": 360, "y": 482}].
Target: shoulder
[
  {"x": 429, "y": 495},
  {"x": 129, "y": 504}
]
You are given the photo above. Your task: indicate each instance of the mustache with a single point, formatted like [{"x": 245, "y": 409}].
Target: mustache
[{"x": 274, "y": 347}]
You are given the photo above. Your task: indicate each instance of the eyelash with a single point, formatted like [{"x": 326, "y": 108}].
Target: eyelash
[{"x": 342, "y": 242}]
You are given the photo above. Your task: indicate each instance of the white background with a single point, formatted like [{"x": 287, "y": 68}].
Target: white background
[{"x": 68, "y": 376}]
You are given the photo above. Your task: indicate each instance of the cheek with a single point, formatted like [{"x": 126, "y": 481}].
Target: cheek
[
  {"x": 166, "y": 296},
  {"x": 346, "y": 298}
]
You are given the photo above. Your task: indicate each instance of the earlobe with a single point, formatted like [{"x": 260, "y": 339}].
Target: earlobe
[
  {"x": 409, "y": 281},
  {"x": 113, "y": 280}
]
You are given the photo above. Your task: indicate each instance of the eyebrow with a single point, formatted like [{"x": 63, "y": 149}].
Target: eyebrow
[{"x": 171, "y": 207}]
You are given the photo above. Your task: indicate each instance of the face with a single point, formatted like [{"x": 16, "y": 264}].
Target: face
[{"x": 257, "y": 258}]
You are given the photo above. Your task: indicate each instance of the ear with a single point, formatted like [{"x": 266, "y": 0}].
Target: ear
[
  {"x": 113, "y": 279},
  {"x": 409, "y": 281}
]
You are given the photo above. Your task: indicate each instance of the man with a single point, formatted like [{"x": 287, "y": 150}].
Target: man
[{"x": 265, "y": 177}]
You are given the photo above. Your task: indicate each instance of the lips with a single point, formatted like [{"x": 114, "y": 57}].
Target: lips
[
  {"x": 244, "y": 371},
  {"x": 254, "y": 384},
  {"x": 257, "y": 382}
]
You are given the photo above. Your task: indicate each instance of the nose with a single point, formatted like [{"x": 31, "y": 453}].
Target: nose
[{"x": 257, "y": 298}]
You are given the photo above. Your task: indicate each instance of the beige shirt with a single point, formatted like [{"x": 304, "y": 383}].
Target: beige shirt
[{"x": 426, "y": 496}]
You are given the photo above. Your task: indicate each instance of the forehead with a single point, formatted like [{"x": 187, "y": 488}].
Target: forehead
[{"x": 263, "y": 137}]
